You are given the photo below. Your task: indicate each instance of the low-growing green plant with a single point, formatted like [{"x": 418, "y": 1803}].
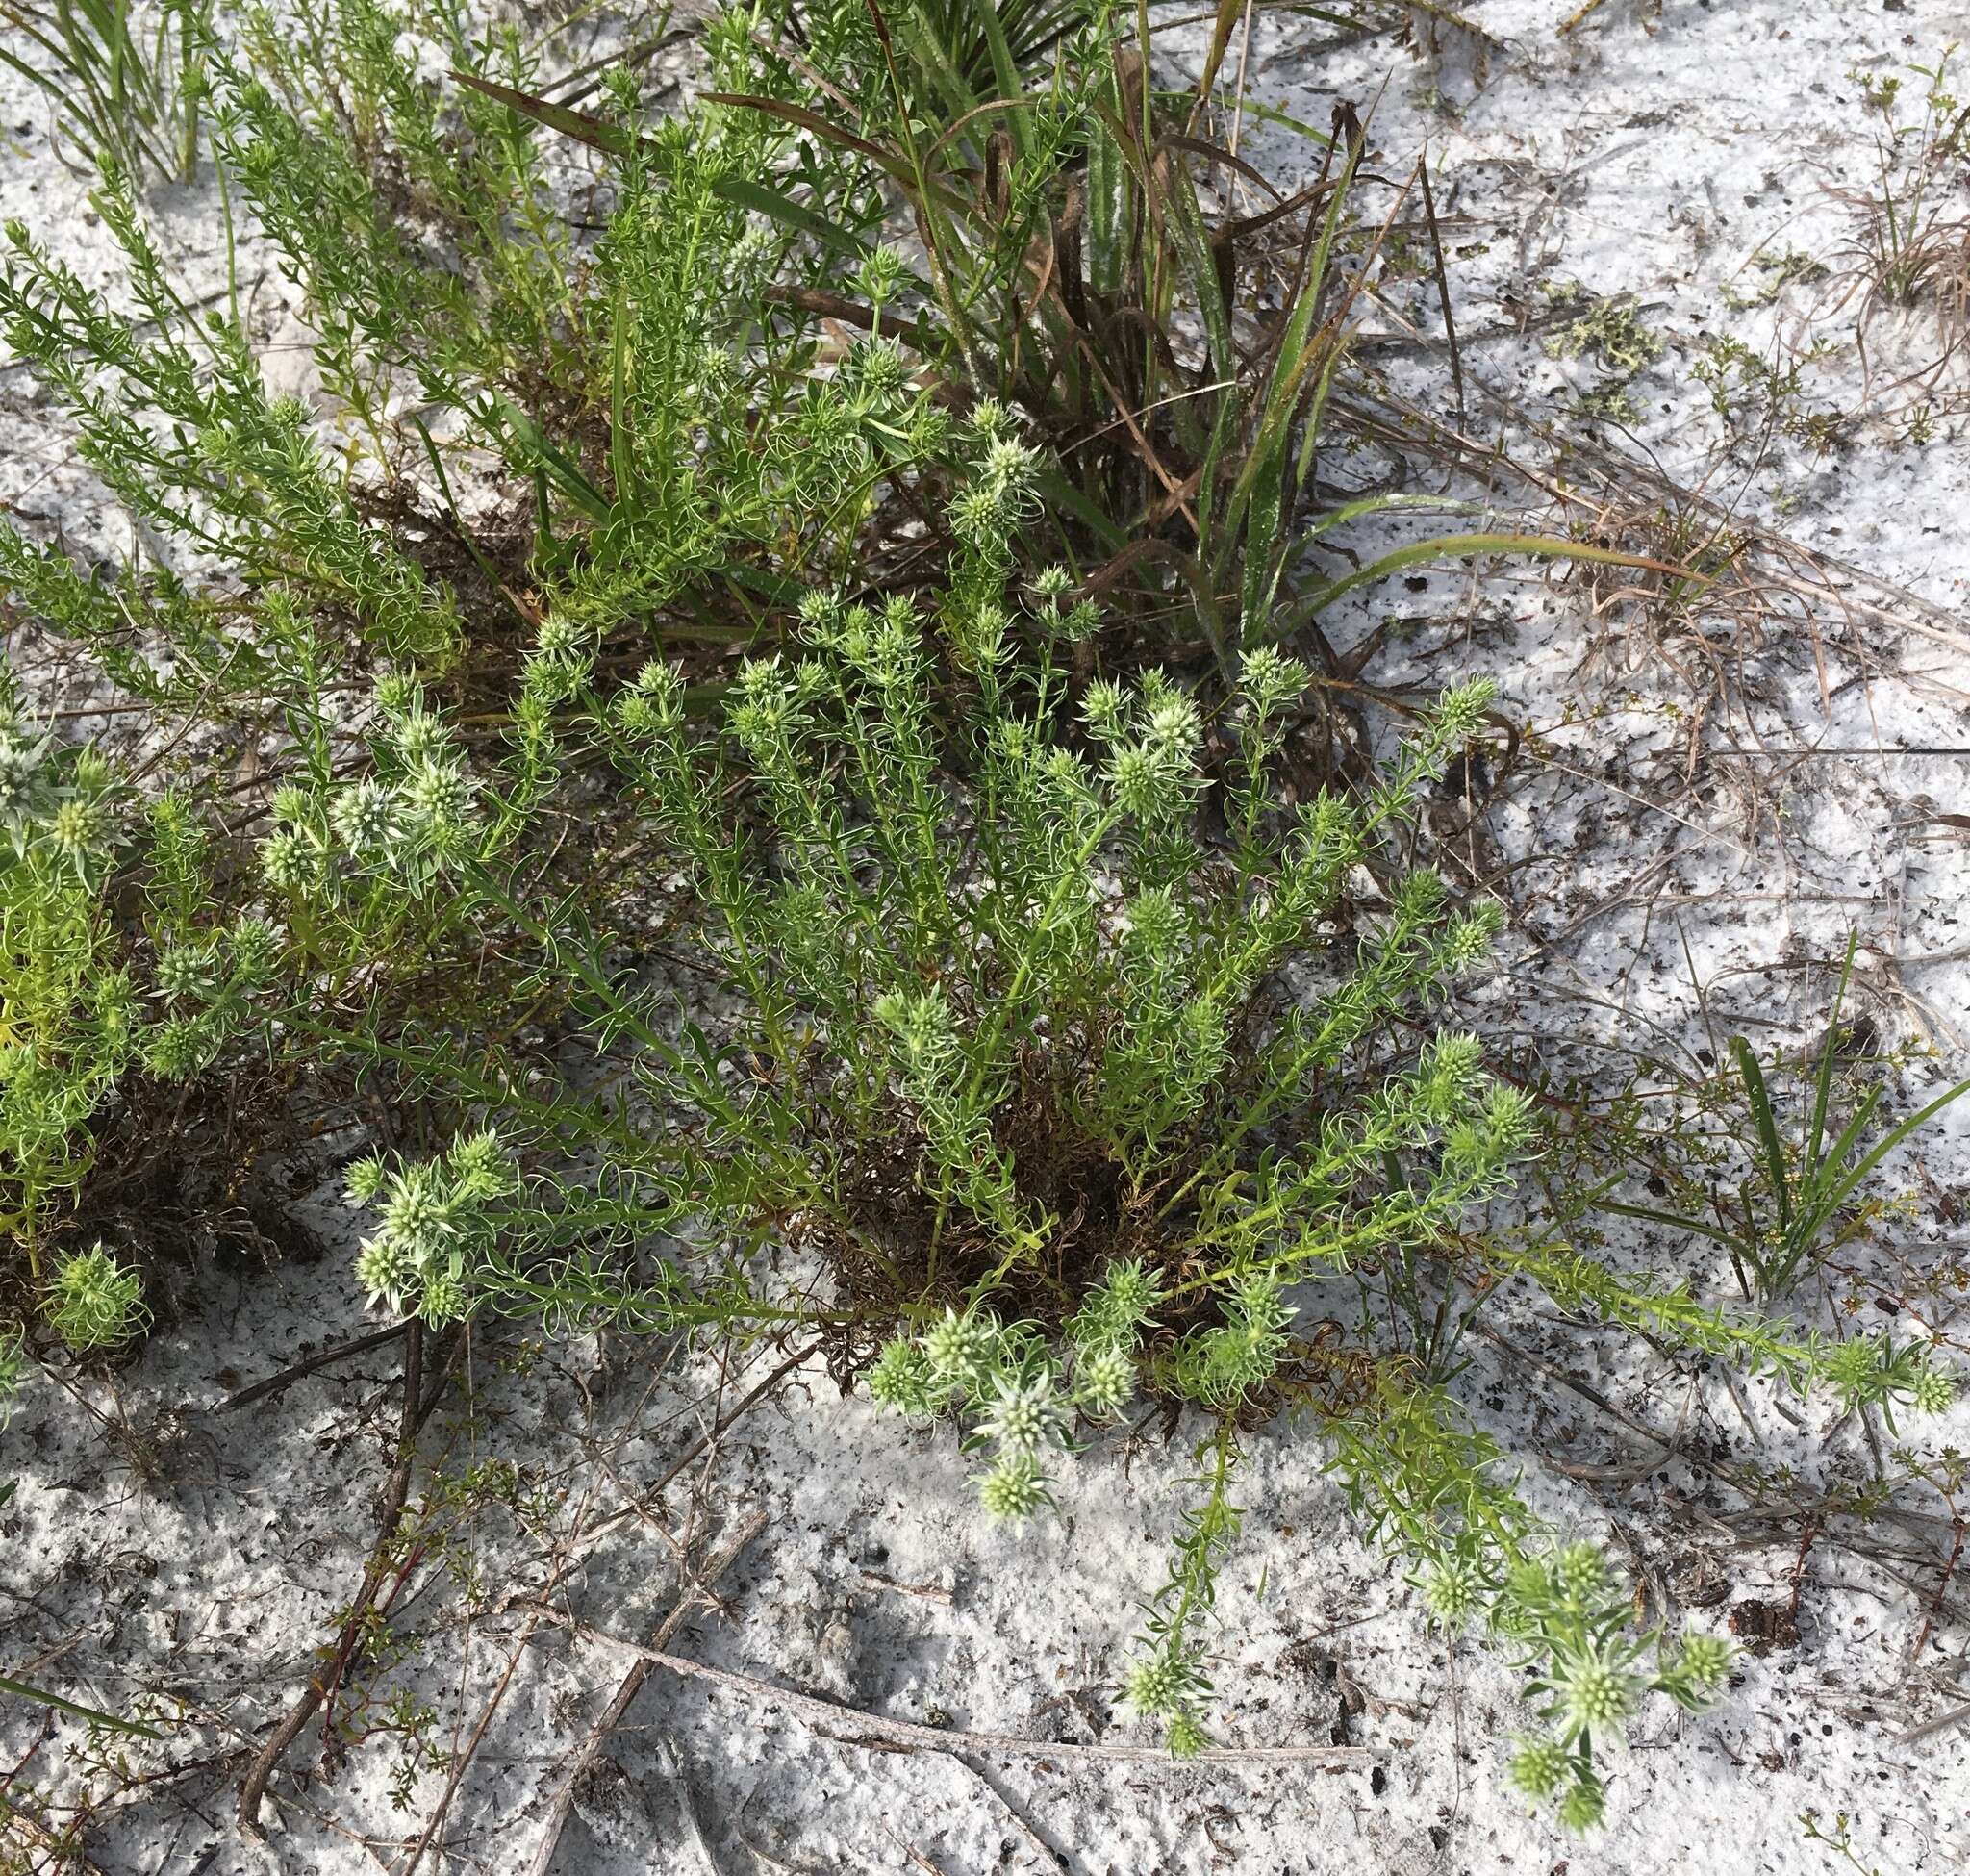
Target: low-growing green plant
[
  {"x": 1041, "y": 1054},
  {"x": 1019, "y": 1063},
  {"x": 94, "y": 1302}
]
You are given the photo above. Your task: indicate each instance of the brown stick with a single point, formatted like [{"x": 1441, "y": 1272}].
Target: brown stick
[
  {"x": 287, "y": 1377},
  {"x": 465, "y": 1759},
  {"x": 395, "y": 1492},
  {"x": 880, "y": 1733},
  {"x": 693, "y": 1598}
]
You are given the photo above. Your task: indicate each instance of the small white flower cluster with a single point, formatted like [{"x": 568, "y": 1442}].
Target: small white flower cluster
[
  {"x": 998, "y": 498},
  {"x": 62, "y": 809},
  {"x": 1011, "y": 1384},
  {"x": 437, "y": 1224},
  {"x": 1589, "y": 1677},
  {"x": 412, "y": 818},
  {"x": 1154, "y": 739}
]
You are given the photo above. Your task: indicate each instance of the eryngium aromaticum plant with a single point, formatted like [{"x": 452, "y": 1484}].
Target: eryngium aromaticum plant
[
  {"x": 1041, "y": 1055},
  {"x": 1023, "y": 1049}
]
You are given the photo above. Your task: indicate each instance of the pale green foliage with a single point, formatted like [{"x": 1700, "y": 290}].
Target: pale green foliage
[
  {"x": 93, "y": 1302},
  {"x": 437, "y": 1227},
  {"x": 1037, "y": 1050},
  {"x": 1588, "y": 1671}
]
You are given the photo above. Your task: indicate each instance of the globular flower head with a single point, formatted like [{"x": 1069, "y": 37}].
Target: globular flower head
[
  {"x": 1104, "y": 1379},
  {"x": 1185, "y": 1735},
  {"x": 902, "y": 1379},
  {"x": 1150, "y": 779},
  {"x": 383, "y": 1270},
  {"x": 368, "y": 818},
  {"x": 1581, "y": 1574},
  {"x": 1454, "y": 1590},
  {"x": 443, "y": 1298},
  {"x": 1164, "y": 1682},
  {"x": 1595, "y": 1692},
  {"x": 1931, "y": 1391},
  {"x": 1540, "y": 1767},
  {"x": 881, "y": 273},
  {"x": 81, "y": 831},
  {"x": 957, "y": 1348},
  {"x": 1701, "y": 1667},
  {"x": 1270, "y": 680},
  {"x": 255, "y": 944},
  {"x": 1015, "y": 1487},
  {"x": 1022, "y": 1412},
  {"x": 179, "y": 1048},
  {"x": 481, "y": 1166},
  {"x": 364, "y": 1180},
  {"x": 94, "y": 1302},
  {"x": 182, "y": 970},
  {"x": 1460, "y": 710},
  {"x": 436, "y": 793},
  {"x": 1104, "y": 708}
]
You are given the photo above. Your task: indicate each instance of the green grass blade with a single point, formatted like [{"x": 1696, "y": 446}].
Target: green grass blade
[
  {"x": 41, "y": 1697},
  {"x": 1761, "y": 1099},
  {"x": 1466, "y": 547}
]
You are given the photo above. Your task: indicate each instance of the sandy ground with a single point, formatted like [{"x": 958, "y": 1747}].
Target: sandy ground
[{"x": 1705, "y": 805}]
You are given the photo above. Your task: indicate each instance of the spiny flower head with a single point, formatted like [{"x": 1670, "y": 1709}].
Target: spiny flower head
[
  {"x": 183, "y": 970},
  {"x": 1931, "y": 1391},
  {"x": 902, "y": 1379},
  {"x": 1104, "y": 1379},
  {"x": 368, "y": 818},
  {"x": 1270, "y": 680},
  {"x": 1454, "y": 1590},
  {"x": 1022, "y": 1412},
  {"x": 1015, "y": 1487},
  {"x": 957, "y": 1347},
  {"x": 1596, "y": 1692},
  {"x": 1541, "y": 1766},
  {"x": 1581, "y": 1574},
  {"x": 94, "y": 1302},
  {"x": 1163, "y": 1683},
  {"x": 1700, "y": 1667}
]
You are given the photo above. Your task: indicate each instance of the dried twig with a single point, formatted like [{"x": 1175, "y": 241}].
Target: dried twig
[
  {"x": 418, "y": 1404},
  {"x": 694, "y": 1598},
  {"x": 880, "y": 1734},
  {"x": 463, "y": 1760},
  {"x": 287, "y": 1377}
]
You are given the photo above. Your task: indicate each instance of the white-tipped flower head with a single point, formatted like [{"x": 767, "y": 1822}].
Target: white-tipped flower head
[
  {"x": 902, "y": 1379},
  {"x": 1104, "y": 1381},
  {"x": 368, "y": 818},
  {"x": 1454, "y": 1590},
  {"x": 1014, "y": 1488},
  {"x": 1933, "y": 1391},
  {"x": 1022, "y": 1412},
  {"x": 957, "y": 1348},
  {"x": 1596, "y": 1692}
]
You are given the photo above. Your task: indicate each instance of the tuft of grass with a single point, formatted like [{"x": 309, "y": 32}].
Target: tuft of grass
[
  {"x": 125, "y": 83},
  {"x": 1796, "y": 1206}
]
